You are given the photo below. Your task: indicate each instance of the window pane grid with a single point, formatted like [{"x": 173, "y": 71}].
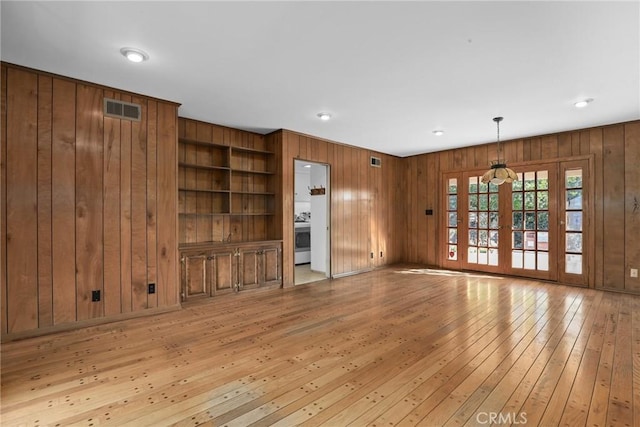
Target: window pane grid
[
  {"x": 530, "y": 221},
  {"x": 452, "y": 223},
  {"x": 573, "y": 192},
  {"x": 483, "y": 234}
]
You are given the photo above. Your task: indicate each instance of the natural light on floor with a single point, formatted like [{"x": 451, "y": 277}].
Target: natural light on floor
[{"x": 445, "y": 273}]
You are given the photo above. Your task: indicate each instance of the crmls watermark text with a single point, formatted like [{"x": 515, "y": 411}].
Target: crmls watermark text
[{"x": 501, "y": 418}]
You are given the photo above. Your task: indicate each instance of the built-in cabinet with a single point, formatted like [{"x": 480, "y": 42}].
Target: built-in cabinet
[
  {"x": 226, "y": 209},
  {"x": 209, "y": 270}
]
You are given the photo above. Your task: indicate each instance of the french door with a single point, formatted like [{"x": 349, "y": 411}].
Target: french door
[{"x": 532, "y": 228}]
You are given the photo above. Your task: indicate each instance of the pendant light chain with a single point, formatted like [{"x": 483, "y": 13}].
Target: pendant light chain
[
  {"x": 498, "y": 120},
  {"x": 499, "y": 148},
  {"x": 499, "y": 172}
]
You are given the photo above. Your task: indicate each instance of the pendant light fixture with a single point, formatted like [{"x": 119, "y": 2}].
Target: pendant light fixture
[{"x": 499, "y": 172}]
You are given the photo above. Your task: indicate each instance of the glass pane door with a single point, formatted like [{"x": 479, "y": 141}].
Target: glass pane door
[
  {"x": 483, "y": 233},
  {"x": 572, "y": 218},
  {"x": 532, "y": 228},
  {"x": 451, "y": 257},
  {"x": 531, "y": 234},
  {"x": 471, "y": 223}
]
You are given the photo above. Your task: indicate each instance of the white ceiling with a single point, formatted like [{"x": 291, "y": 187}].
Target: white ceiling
[{"x": 389, "y": 72}]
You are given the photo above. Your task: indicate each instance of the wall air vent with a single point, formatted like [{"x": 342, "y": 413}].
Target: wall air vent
[
  {"x": 121, "y": 109},
  {"x": 376, "y": 162}
]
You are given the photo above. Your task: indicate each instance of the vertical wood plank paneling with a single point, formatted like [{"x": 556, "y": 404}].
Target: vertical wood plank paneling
[
  {"x": 456, "y": 159},
  {"x": 373, "y": 195},
  {"x": 350, "y": 209},
  {"x": 3, "y": 198},
  {"x": 613, "y": 201},
  {"x": 152, "y": 198},
  {"x": 508, "y": 154},
  {"x": 564, "y": 144},
  {"x": 287, "y": 210},
  {"x": 536, "y": 152},
  {"x": 45, "y": 278},
  {"x": 89, "y": 219},
  {"x": 340, "y": 232},
  {"x": 111, "y": 225},
  {"x": 519, "y": 148},
  {"x": 575, "y": 143},
  {"x": 365, "y": 210},
  {"x": 63, "y": 228},
  {"x": 413, "y": 207},
  {"x": 585, "y": 141},
  {"x": 351, "y": 261},
  {"x": 125, "y": 212},
  {"x": 384, "y": 221},
  {"x": 322, "y": 150},
  {"x": 632, "y": 204},
  {"x": 139, "y": 210},
  {"x": 304, "y": 143},
  {"x": 418, "y": 208},
  {"x": 469, "y": 154},
  {"x": 380, "y": 215},
  {"x": 526, "y": 150},
  {"x": 167, "y": 239},
  {"x": 432, "y": 190},
  {"x": 338, "y": 206},
  {"x": 549, "y": 147},
  {"x": 22, "y": 201},
  {"x": 415, "y": 190},
  {"x": 394, "y": 209},
  {"x": 482, "y": 155},
  {"x": 443, "y": 160},
  {"x": 68, "y": 196},
  {"x": 595, "y": 145}
]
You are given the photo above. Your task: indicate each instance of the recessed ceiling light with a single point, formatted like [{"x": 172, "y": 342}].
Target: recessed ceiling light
[
  {"x": 133, "y": 54},
  {"x": 583, "y": 103},
  {"x": 438, "y": 132},
  {"x": 324, "y": 116},
  {"x": 307, "y": 166}
]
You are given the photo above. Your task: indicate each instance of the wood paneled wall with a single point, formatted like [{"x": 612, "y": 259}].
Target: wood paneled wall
[
  {"x": 88, "y": 203},
  {"x": 616, "y": 174},
  {"x": 364, "y": 203}
]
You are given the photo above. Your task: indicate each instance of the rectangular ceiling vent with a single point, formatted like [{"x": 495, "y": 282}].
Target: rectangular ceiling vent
[
  {"x": 121, "y": 109},
  {"x": 376, "y": 162}
]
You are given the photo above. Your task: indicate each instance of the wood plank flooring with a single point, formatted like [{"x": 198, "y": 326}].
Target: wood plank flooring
[{"x": 392, "y": 347}]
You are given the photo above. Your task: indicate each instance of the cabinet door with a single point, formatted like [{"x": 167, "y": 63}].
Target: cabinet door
[
  {"x": 223, "y": 271},
  {"x": 270, "y": 265},
  {"x": 248, "y": 269},
  {"x": 194, "y": 275}
]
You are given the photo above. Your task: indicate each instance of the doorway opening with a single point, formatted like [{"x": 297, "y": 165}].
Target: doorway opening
[{"x": 312, "y": 222}]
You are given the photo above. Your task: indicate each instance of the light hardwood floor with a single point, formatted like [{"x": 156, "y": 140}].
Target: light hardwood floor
[{"x": 390, "y": 347}]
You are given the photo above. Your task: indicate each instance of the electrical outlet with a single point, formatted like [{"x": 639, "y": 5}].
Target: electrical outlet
[
  {"x": 152, "y": 288},
  {"x": 371, "y": 255},
  {"x": 95, "y": 296},
  {"x": 380, "y": 254},
  {"x": 634, "y": 272}
]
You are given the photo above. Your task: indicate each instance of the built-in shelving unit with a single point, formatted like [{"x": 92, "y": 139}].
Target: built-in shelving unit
[
  {"x": 226, "y": 188},
  {"x": 226, "y": 210}
]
